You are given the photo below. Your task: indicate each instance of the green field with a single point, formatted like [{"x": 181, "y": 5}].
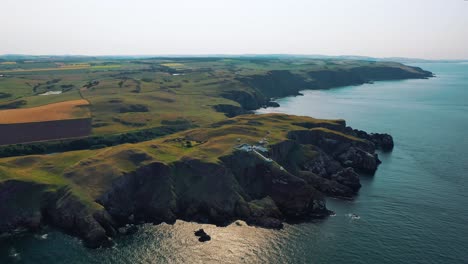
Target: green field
[{"x": 131, "y": 94}]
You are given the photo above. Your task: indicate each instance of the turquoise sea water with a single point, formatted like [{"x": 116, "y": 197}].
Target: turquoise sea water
[{"x": 414, "y": 210}]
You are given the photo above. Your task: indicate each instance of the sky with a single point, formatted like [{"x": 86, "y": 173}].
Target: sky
[{"x": 430, "y": 29}]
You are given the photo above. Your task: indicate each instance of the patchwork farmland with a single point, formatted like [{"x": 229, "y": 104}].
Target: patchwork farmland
[
  {"x": 130, "y": 99},
  {"x": 48, "y": 122}
]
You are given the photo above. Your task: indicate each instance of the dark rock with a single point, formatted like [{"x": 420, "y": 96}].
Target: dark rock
[
  {"x": 70, "y": 214},
  {"x": 17, "y": 211},
  {"x": 358, "y": 159},
  {"x": 272, "y": 104},
  {"x": 327, "y": 186},
  {"x": 349, "y": 178},
  {"x": 145, "y": 194},
  {"x": 381, "y": 141},
  {"x": 322, "y": 164},
  {"x": 258, "y": 178},
  {"x": 264, "y": 213},
  {"x": 200, "y": 232},
  {"x": 266, "y": 222},
  {"x": 133, "y": 108},
  {"x": 277, "y": 83},
  {"x": 128, "y": 229},
  {"x": 248, "y": 100},
  {"x": 330, "y": 160},
  {"x": 203, "y": 236},
  {"x": 230, "y": 110}
]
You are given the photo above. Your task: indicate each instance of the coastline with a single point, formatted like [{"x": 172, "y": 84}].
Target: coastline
[{"x": 105, "y": 225}]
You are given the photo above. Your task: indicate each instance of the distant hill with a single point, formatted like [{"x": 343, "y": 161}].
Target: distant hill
[{"x": 15, "y": 57}]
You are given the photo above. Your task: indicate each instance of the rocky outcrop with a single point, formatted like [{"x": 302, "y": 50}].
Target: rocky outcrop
[
  {"x": 17, "y": 212},
  {"x": 381, "y": 141},
  {"x": 358, "y": 159},
  {"x": 58, "y": 208},
  {"x": 69, "y": 213},
  {"x": 230, "y": 110},
  {"x": 202, "y": 235},
  {"x": 248, "y": 100},
  {"x": 329, "y": 159}
]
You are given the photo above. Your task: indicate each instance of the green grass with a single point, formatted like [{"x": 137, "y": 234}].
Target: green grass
[{"x": 148, "y": 82}]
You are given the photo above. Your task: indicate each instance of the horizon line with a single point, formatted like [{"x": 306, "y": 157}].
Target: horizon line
[{"x": 227, "y": 55}]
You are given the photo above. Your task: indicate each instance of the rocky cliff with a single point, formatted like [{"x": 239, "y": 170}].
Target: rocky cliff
[{"x": 264, "y": 169}]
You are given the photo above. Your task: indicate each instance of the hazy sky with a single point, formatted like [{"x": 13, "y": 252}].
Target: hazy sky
[{"x": 380, "y": 28}]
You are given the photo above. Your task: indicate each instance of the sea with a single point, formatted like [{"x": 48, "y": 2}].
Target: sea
[{"x": 413, "y": 210}]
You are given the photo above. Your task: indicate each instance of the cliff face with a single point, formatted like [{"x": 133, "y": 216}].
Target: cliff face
[
  {"x": 256, "y": 191},
  {"x": 329, "y": 160},
  {"x": 28, "y": 205},
  {"x": 278, "y": 83},
  {"x": 17, "y": 211},
  {"x": 249, "y": 100}
]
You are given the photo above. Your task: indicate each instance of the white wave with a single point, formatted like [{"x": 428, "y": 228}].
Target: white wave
[
  {"x": 14, "y": 254},
  {"x": 353, "y": 216}
]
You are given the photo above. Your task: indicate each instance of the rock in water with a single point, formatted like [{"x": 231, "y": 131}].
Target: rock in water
[
  {"x": 203, "y": 236},
  {"x": 200, "y": 232}
]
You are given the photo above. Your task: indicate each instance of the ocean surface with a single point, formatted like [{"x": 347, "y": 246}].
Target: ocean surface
[{"x": 413, "y": 210}]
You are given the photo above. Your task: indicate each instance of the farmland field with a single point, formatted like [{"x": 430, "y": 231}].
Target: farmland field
[
  {"x": 125, "y": 94},
  {"x": 15, "y": 133},
  {"x": 56, "y": 111}
]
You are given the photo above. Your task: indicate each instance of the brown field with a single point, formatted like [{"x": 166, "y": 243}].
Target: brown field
[
  {"x": 42, "y": 131},
  {"x": 58, "y": 111},
  {"x": 62, "y": 68}
]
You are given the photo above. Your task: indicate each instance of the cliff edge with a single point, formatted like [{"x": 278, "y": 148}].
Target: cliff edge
[{"x": 264, "y": 169}]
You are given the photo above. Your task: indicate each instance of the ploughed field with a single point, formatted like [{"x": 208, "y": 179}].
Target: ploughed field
[
  {"x": 44, "y": 130},
  {"x": 66, "y": 119},
  {"x": 174, "y": 138}
]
